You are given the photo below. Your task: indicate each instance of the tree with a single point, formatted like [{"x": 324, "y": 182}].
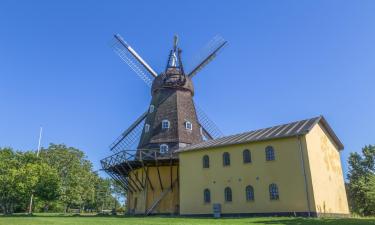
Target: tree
[
  {"x": 362, "y": 181},
  {"x": 75, "y": 172},
  {"x": 21, "y": 174}
]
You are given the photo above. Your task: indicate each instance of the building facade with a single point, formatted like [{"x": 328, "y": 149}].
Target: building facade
[{"x": 291, "y": 169}]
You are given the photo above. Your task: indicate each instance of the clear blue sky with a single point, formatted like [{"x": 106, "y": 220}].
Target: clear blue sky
[{"x": 286, "y": 61}]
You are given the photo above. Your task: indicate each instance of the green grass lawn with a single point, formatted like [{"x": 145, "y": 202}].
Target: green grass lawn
[{"x": 56, "y": 219}]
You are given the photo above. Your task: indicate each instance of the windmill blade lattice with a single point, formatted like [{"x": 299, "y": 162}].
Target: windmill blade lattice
[
  {"x": 124, "y": 54},
  {"x": 208, "y": 124},
  {"x": 206, "y": 55},
  {"x": 129, "y": 138}
]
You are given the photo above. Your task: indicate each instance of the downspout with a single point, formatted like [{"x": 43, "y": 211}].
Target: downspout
[{"x": 304, "y": 175}]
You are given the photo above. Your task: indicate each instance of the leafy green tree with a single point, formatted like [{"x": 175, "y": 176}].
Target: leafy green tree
[
  {"x": 21, "y": 174},
  {"x": 75, "y": 172},
  {"x": 362, "y": 181}
]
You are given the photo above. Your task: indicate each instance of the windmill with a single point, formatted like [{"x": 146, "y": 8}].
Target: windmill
[{"x": 172, "y": 121}]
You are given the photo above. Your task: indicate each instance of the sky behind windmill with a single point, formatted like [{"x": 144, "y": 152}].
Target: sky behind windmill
[{"x": 286, "y": 61}]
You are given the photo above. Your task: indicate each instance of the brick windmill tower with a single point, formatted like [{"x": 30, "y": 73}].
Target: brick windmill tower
[{"x": 145, "y": 163}]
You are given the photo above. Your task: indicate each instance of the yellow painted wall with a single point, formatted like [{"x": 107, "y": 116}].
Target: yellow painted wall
[
  {"x": 326, "y": 172},
  {"x": 145, "y": 198},
  {"x": 286, "y": 171}
]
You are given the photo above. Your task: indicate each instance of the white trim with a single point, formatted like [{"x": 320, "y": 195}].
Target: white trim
[
  {"x": 164, "y": 148},
  {"x": 167, "y": 123},
  {"x": 147, "y": 128},
  {"x": 151, "y": 109},
  {"x": 188, "y": 127}
]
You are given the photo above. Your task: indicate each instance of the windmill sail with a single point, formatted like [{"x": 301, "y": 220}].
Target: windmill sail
[
  {"x": 130, "y": 137},
  {"x": 207, "y": 54},
  {"x": 134, "y": 61},
  {"x": 210, "y": 129}
]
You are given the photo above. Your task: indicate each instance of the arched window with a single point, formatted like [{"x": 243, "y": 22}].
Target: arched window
[
  {"x": 151, "y": 109},
  {"x": 188, "y": 125},
  {"x": 147, "y": 128},
  {"x": 249, "y": 193},
  {"x": 206, "y": 196},
  {"x": 274, "y": 192},
  {"x": 164, "y": 148},
  {"x": 246, "y": 156},
  {"x": 206, "y": 161},
  {"x": 165, "y": 124},
  {"x": 270, "y": 153},
  {"x": 228, "y": 194},
  {"x": 226, "y": 159}
]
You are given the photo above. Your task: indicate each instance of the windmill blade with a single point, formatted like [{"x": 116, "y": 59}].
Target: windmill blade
[
  {"x": 205, "y": 134},
  {"x": 134, "y": 61},
  {"x": 208, "y": 54},
  {"x": 209, "y": 129},
  {"x": 129, "y": 137}
]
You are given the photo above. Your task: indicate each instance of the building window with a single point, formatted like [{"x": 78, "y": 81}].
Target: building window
[
  {"x": 270, "y": 153},
  {"x": 246, "y": 156},
  {"x": 206, "y": 196},
  {"x": 249, "y": 193},
  {"x": 226, "y": 159},
  {"x": 206, "y": 161},
  {"x": 228, "y": 194},
  {"x": 147, "y": 128},
  {"x": 165, "y": 124},
  {"x": 274, "y": 192},
  {"x": 163, "y": 148},
  {"x": 151, "y": 109},
  {"x": 188, "y": 125}
]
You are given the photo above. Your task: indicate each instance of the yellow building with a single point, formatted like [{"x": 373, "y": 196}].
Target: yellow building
[{"x": 291, "y": 169}]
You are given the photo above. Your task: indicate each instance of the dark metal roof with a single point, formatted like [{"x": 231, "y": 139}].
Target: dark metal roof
[{"x": 286, "y": 130}]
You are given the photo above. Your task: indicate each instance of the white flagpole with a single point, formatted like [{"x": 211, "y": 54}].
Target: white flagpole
[
  {"x": 37, "y": 155},
  {"x": 40, "y": 139}
]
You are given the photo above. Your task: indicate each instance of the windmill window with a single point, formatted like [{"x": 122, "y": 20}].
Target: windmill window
[
  {"x": 226, "y": 159},
  {"x": 270, "y": 153},
  {"x": 164, "y": 148},
  {"x": 152, "y": 108},
  {"x": 274, "y": 192},
  {"x": 246, "y": 156},
  {"x": 206, "y": 161},
  {"x": 165, "y": 124},
  {"x": 147, "y": 128},
  {"x": 249, "y": 193},
  {"x": 228, "y": 194},
  {"x": 188, "y": 125},
  {"x": 206, "y": 196}
]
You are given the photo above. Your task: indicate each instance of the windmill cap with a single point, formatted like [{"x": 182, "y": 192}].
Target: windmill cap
[{"x": 170, "y": 80}]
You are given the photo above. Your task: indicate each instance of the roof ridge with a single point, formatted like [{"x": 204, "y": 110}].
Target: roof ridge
[{"x": 299, "y": 127}]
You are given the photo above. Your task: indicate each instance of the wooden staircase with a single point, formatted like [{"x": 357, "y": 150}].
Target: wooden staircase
[{"x": 163, "y": 194}]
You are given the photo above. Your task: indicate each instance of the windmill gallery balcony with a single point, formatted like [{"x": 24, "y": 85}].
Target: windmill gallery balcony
[{"x": 120, "y": 165}]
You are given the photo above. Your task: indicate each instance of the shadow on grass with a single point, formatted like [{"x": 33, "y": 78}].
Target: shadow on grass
[
  {"x": 317, "y": 221},
  {"x": 242, "y": 220}
]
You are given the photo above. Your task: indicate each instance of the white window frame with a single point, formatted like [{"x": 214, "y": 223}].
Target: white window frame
[
  {"x": 187, "y": 127},
  {"x": 147, "y": 127},
  {"x": 164, "y": 148},
  {"x": 151, "y": 109},
  {"x": 163, "y": 122}
]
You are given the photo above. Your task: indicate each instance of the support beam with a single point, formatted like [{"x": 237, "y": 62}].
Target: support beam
[
  {"x": 131, "y": 168},
  {"x": 123, "y": 179},
  {"x": 157, "y": 168},
  {"x": 171, "y": 173},
  {"x": 146, "y": 173},
  {"x": 129, "y": 177}
]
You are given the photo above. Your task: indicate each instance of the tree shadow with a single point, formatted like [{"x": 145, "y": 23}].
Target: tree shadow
[{"x": 317, "y": 221}]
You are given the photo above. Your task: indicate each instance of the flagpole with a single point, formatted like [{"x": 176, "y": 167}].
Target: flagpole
[{"x": 37, "y": 155}]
